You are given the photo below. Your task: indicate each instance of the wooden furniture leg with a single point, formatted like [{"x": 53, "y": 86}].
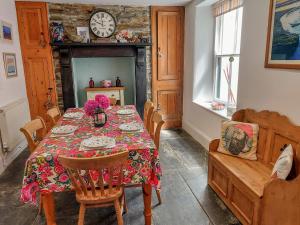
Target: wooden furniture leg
[
  {"x": 158, "y": 196},
  {"x": 147, "y": 192},
  {"x": 118, "y": 212},
  {"x": 49, "y": 208},
  {"x": 81, "y": 214},
  {"x": 40, "y": 205}
]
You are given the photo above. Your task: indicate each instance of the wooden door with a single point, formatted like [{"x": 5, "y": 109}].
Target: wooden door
[
  {"x": 37, "y": 56},
  {"x": 167, "y": 62}
]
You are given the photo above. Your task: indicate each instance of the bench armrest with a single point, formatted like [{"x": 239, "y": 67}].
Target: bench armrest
[
  {"x": 281, "y": 202},
  {"x": 213, "y": 145}
]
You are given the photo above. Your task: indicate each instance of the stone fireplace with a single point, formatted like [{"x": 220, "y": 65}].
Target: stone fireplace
[
  {"x": 135, "y": 19},
  {"x": 67, "y": 52}
]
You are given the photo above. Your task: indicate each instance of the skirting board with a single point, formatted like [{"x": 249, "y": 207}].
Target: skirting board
[
  {"x": 11, "y": 156},
  {"x": 197, "y": 134}
]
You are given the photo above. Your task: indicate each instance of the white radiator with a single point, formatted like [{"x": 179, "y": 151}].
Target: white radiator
[{"x": 13, "y": 116}]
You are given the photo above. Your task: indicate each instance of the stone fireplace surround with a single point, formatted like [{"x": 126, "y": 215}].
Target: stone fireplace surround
[
  {"x": 80, "y": 50},
  {"x": 134, "y": 18}
]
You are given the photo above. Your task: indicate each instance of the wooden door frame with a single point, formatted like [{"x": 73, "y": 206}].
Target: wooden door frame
[
  {"x": 154, "y": 10},
  {"x": 44, "y": 6}
]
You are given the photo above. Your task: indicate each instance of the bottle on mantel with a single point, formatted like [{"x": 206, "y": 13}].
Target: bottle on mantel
[
  {"x": 91, "y": 83},
  {"x": 118, "y": 82}
]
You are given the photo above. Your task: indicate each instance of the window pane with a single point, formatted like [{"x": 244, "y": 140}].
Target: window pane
[
  {"x": 227, "y": 45},
  {"x": 228, "y": 32},
  {"x": 223, "y": 69}
]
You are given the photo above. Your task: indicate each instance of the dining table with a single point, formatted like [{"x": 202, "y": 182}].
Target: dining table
[{"x": 45, "y": 175}]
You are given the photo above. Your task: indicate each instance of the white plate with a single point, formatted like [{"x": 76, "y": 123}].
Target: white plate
[
  {"x": 130, "y": 127},
  {"x": 73, "y": 115},
  {"x": 98, "y": 142},
  {"x": 67, "y": 129},
  {"x": 125, "y": 111}
]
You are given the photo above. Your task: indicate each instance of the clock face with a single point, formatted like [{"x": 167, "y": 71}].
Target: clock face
[{"x": 102, "y": 24}]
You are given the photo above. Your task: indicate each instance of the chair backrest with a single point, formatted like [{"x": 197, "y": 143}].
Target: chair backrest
[
  {"x": 275, "y": 131},
  {"x": 113, "y": 101},
  {"x": 156, "y": 123},
  {"x": 148, "y": 110},
  {"x": 54, "y": 114},
  {"x": 110, "y": 169},
  {"x": 34, "y": 132}
]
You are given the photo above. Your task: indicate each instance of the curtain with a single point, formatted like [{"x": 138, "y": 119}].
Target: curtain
[{"x": 225, "y": 6}]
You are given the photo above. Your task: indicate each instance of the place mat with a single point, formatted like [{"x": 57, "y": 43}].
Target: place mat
[
  {"x": 61, "y": 135},
  {"x": 132, "y": 132},
  {"x": 75, "y": 117},
  {"x": 83, "y": 148}
]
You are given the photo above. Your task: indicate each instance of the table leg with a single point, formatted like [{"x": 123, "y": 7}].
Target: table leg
[
  {"x": 49, "y": 208},
  {"x": 147, "y": 191}
]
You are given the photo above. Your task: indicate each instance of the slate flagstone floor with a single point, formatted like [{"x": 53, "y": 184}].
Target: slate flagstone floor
[{"x": 187, "y": 199}]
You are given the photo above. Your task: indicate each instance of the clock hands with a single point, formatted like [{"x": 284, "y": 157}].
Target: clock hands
[{"x": 99, "y": 23}]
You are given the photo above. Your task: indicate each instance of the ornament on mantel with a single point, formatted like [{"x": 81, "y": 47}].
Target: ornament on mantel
[
  {"x": 91, "y": 83},
  {"x": 124, "y": 36},
  {"x": 118, "y": 82}
]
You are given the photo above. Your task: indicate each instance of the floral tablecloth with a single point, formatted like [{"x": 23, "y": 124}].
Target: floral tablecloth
[{"x": 44, "y": 173}]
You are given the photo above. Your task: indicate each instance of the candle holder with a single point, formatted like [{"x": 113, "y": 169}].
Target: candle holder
[{"x": 100, "y": 117}]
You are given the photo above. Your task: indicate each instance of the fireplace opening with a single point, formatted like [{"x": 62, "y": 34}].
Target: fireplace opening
[
  {"x": 116, "y": 54},
  {"x": 103, "y": 68}
]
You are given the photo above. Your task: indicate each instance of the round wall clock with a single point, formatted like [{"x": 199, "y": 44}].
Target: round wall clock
[{"x": 102, "y": 24}]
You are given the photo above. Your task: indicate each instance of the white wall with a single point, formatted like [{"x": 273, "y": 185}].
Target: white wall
[
  {"x": 259, "y": 88},
  {"x": 12, "y": 90},
  {"x": 202, "y": 124}
]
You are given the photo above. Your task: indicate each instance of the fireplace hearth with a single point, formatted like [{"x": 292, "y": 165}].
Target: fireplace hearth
[{"x": 91, "y": 50}]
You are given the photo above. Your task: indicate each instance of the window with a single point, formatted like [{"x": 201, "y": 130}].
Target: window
[{"x": 228, "y": 26}]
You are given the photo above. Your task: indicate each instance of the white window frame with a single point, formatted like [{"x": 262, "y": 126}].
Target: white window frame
[{"x": 216, "y": 56}]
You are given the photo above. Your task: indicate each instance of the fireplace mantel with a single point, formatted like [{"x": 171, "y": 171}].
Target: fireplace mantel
[
  {"x": 74, "y": 45},
  {"x": 88, "y": 50}
]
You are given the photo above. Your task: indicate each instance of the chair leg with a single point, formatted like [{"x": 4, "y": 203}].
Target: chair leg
[
  {"x": 81, "y": 214},
  {"x": 118, "y": 212},
  {"x": 124, "y": 203},
  {"x": 40, "y": 205},
  {"x": 158, "y": 197}
]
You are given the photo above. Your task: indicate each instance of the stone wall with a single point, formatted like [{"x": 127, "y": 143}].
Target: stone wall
[{"x": 135, "y": 19}]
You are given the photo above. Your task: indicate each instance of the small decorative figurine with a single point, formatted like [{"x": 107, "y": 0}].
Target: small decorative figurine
[
  {"x": 118, "y": 82},
  {"x": 106, "y": 83},
  {"x": 91, "y": 83},
  {"x": 100, "y": 117}
]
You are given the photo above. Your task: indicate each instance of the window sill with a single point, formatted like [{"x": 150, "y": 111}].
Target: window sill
[{"x": 207, "y": 105}]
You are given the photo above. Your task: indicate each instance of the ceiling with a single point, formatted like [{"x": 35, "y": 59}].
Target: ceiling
[{"x": 122, "y": 2}]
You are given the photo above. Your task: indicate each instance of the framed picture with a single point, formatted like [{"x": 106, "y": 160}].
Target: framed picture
[
  {"x": 10, "y": 64},
  {"x": 84, "y": 32},
  {"x": 6, "y": 31},
  {"x": 283, "y": 43},
  {"x": 1, "y": 35}
]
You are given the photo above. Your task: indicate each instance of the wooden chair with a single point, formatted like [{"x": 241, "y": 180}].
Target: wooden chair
[
  {"x": 91, "y": 195},
  {"x": 113, "y": 101},
  {"x": 148, "y": 110},
  {"x": 54, "y": 115},
  {"x": 156, "y": 123},
  {"x": 34, "y": 132}
]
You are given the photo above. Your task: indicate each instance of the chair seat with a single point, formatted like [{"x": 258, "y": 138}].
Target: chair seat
[
  {"x": 253, "y": 174},
  {"x": 108, "y": 197}
]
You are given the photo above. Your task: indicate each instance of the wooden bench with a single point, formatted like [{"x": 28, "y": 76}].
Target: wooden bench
[{"x": 246, "y": 186}]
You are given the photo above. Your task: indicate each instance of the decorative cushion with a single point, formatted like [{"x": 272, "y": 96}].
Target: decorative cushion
[
  {"x": 284, "y": 163},
  {"x": 239, "y": 139}
]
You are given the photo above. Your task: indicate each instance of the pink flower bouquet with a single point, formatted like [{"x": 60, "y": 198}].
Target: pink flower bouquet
[
  {"x": 103, "y": 101},
  {"x": 90, "y": 106}
]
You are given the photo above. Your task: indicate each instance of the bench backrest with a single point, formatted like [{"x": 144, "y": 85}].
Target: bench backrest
[{"x": 275, "y": 131}]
